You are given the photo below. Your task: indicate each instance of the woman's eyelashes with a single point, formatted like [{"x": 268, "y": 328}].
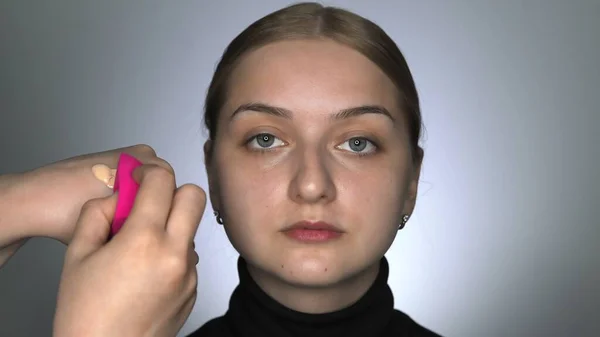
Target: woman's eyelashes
[
  {"x": 360, "y": 146},
  {"x": 265, "y": 142}
]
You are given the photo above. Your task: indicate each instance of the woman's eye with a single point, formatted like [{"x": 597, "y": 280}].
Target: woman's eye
[
  {"x": 358, "y": 145},
  {"x": 265, "y": 141}
]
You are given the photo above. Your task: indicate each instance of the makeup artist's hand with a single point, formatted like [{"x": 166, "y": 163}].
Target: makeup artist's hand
[
  {"x": 143, "y": 281},
  {"x": 46, "y": 201}
]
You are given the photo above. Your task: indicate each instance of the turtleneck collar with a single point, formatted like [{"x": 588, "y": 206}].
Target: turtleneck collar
[{"x": 254, "y": 313}]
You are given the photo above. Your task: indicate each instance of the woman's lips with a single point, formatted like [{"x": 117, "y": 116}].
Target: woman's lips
[{"x": 307, "y": 231}]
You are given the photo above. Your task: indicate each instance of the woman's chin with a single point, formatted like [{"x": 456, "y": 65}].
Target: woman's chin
[
  {"x": 305, "y": 266},
  {"x": 311, "y": 272}
]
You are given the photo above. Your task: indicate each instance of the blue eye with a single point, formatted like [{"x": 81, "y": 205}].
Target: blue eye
[
  {"x": 265, "y": 141},
  {"x": 358, "y": 145}
]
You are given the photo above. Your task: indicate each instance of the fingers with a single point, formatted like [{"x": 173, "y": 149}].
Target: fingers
[
  {"x": 140, "y": 151},
  {"x": 195, "y": 257},
  {"x": 147, "y": 155},
  {"x": 187, "y": 307},
  {"x": 93, "y": 227},
  {"x": 184, "y": 312},
  {"x": 188, "y": 207},
  {"x": 154, "y": 197},
  {"x": 160, "y": 163},
  {"x": 8, "y": 251},
  {"x": 143, "y": 150}
]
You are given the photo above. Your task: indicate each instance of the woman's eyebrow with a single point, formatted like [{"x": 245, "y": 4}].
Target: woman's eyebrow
[
  {"x": 288, "y": 114},
  {"x": 362, "y": 110}
]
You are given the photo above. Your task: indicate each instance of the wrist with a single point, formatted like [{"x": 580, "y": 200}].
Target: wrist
[{"x": 15, "y": 218}]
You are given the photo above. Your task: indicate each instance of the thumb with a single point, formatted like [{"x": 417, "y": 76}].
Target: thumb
[{"x": 93, "y": 227}]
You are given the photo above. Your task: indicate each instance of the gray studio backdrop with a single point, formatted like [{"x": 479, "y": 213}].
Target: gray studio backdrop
[{"x": 504, "y": 238}]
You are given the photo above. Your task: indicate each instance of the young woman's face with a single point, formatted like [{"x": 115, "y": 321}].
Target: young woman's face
[{"x": 311, "y": 131}]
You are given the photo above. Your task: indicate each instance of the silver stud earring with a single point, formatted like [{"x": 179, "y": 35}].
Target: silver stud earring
[
  {"x": 219, "y": 218},
  {"x": 404, "y": 221}
]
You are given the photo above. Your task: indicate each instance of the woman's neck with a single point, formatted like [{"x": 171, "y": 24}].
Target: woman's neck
[{"x": 315, "y": 300}]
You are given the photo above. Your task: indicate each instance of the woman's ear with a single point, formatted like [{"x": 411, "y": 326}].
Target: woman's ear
[
  {"x": 413, "y": 188},
  {"x": 211, "y": 174}
]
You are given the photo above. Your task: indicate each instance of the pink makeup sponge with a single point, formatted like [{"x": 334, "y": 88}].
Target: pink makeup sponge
[{"x": 127, "y": 188}]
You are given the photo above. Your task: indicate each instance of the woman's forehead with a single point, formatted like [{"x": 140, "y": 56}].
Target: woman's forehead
[{"x": 309, "y": 75}]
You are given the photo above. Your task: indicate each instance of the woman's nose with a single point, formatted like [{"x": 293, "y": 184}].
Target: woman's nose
[{"x": 312, "y": 181}]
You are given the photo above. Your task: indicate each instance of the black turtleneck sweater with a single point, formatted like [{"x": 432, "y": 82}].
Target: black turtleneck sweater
[{"x": 253, "y": 313}]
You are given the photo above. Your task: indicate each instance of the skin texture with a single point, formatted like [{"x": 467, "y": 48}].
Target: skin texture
[{"x": 310, "y": 171}]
